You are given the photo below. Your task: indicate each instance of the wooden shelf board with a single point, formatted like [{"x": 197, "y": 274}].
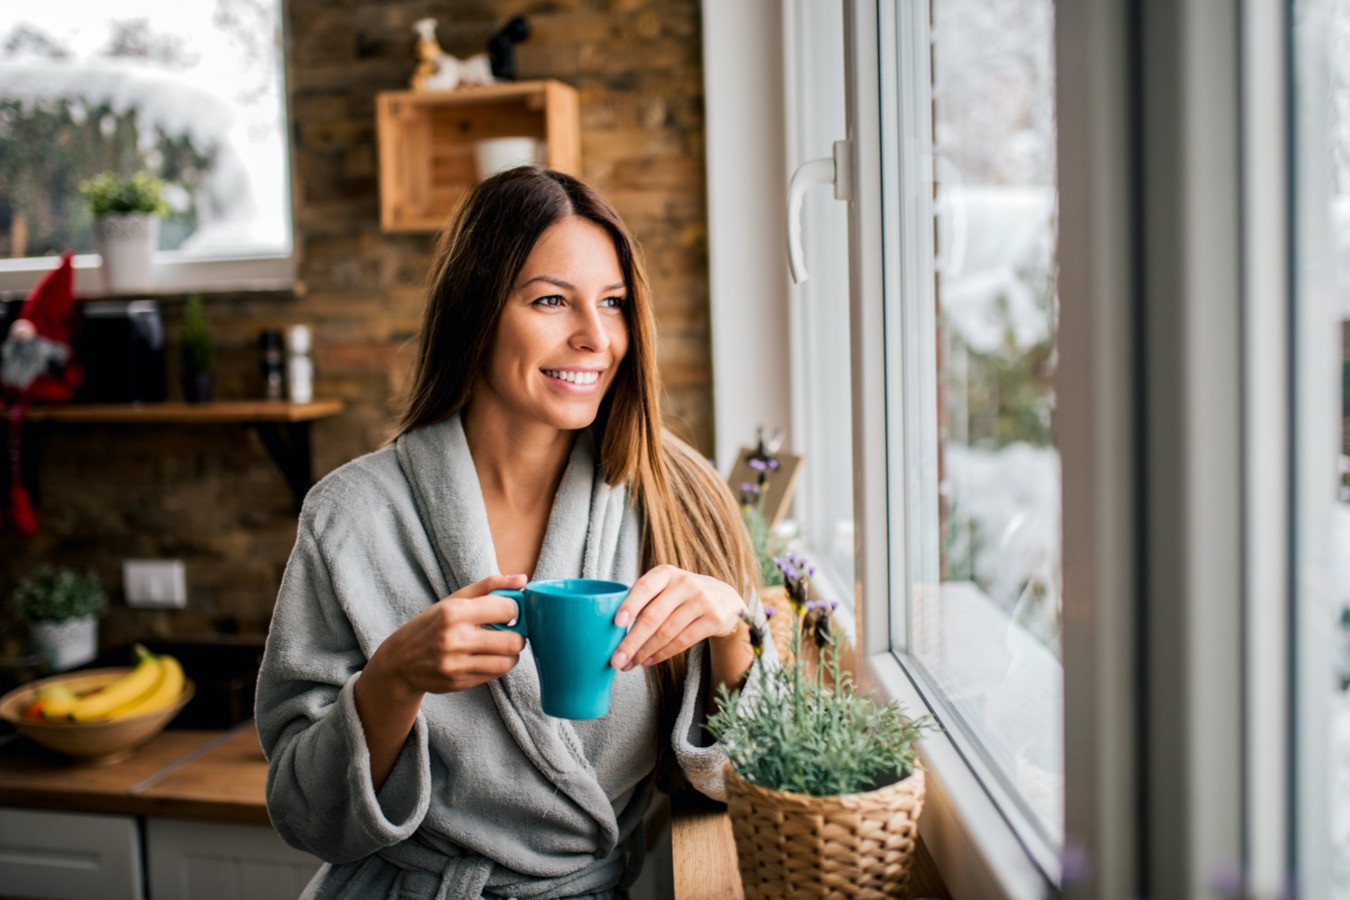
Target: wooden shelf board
[
  {"x": 188, "y": 413},
  {"x": 481, "y": 93}
]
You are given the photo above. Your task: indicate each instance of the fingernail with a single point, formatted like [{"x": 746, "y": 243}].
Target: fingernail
[
  {"x": 623, "y": 618},
  {"x": 619, "y": 659},
  {"x": 649, "y": 661}
]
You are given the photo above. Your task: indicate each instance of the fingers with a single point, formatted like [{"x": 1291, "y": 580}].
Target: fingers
[
  {"x": 642, "y": 592},
  {"x": 665, "y": 640},
  {"x": 680, "y": 643},
  {"x": 648, "y": 612},
  {"x": 489, "y": 610},
  {"x": 490, "y": 584}
]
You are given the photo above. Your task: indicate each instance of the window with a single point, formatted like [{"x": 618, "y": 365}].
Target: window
[
  {"x": 821, "y": 413},
  {"x": 968, "y": 176},
  {"x": 191, "y": 92},
  {"x": 1320, "y": 348}
]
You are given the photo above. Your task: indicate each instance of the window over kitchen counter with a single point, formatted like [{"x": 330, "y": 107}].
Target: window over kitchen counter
[{"x": 193, "y": 93}]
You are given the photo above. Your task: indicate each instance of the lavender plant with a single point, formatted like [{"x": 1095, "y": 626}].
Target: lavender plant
[
  {"x": 764, "y": 461},
  {"x": 807, "y": 728}
]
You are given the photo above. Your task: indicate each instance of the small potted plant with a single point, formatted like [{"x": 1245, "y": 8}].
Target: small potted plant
[
  {"x": 61, "y": 607},
  {"x": 823, "y": 785},
  {"x": 126, "y": 214},
  {"x": 198, "y": 353}
]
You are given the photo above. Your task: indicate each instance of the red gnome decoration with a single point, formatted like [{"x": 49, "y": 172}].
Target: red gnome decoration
[{"x": 37, "y": 366}]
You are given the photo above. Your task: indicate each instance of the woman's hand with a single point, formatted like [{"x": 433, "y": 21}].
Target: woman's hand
[
  {"x": 441, "y": 649},
  {"x": 671, "y": 610},
  {"x": 445, "y": 647}
]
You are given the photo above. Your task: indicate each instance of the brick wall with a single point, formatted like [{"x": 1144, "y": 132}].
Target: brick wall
[{"x": 210, "y": 495}]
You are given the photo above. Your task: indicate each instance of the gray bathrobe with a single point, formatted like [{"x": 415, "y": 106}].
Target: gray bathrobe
[{"x": 489, "y": 795}]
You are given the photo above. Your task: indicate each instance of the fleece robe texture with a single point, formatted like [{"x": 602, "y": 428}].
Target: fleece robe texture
[{"x": 489, "y": 796}]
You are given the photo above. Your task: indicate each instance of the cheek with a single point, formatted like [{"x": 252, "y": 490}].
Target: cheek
[{"x": 618, "y": 340}]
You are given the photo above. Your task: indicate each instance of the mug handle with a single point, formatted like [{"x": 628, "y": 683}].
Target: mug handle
[{"x": 519, "y": 625}]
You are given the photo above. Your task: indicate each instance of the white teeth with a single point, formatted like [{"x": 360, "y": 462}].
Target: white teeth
[{"x": 574, "y": 377}]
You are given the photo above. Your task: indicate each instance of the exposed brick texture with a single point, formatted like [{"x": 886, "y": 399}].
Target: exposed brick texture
[{"x": 210, "y": 494}]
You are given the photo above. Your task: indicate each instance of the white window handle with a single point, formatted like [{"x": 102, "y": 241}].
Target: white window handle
[{"x": 836, "y": 170}]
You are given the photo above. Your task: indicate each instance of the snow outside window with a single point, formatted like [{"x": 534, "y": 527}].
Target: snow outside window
[
  {"x": 968, "y": 167},
  {"x": 192, "y": 92}
]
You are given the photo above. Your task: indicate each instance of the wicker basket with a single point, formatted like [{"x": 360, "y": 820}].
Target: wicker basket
[{"x": 852, "y": 845}]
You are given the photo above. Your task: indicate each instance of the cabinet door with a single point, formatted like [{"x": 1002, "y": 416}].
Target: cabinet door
[
  {"x": 69, "y": 856},
  {"x": 215, "y": 861}
]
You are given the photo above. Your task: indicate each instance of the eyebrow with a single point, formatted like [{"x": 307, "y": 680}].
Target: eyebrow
[{"x": 566, "y": 285}]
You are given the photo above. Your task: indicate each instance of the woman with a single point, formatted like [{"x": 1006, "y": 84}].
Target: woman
[{"x": 406, "y": 743}]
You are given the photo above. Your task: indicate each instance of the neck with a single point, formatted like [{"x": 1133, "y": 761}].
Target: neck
[{"x": 517, "y": 466}]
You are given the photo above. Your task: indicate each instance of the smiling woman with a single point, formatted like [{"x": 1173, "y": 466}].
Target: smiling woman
[{"x": 407, "y": 743}]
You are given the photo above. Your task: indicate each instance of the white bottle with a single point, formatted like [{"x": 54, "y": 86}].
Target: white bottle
[{"x": 299, "y": 365}]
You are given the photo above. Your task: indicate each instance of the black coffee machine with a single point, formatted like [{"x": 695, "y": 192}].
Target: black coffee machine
[{"x": 121, "y": 346}]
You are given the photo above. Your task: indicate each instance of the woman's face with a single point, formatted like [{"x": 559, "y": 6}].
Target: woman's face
[{"x": 562, "y": 333}]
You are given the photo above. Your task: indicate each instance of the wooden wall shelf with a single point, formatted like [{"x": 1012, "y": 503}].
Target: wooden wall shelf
[
  {"x": 282, "y": 427},
  {"x": 187, "y": 413},
  {"x": 426, "y": 142}
]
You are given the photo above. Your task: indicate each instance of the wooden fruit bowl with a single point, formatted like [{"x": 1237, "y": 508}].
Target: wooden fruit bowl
[{"x": 93, "y": 743}]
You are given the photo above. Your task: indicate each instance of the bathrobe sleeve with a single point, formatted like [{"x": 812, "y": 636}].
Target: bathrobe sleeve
[
  {"x": 320, "y": 794},
  {"x": 700, "y": 758}
]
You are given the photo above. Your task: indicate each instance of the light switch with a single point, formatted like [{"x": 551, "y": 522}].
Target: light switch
[{"x": 155, "y": 583}]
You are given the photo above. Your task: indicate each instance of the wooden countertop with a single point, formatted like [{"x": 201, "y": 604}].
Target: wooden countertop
[{"x": 215, "y": 775}]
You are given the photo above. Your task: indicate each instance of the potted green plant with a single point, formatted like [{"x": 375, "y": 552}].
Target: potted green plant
[
  {"x": 62, "y": 608},
  {"x": 823, "y": 785},
  {"x": 198, "y": 353},
  {"x": 126, "y": 214}
]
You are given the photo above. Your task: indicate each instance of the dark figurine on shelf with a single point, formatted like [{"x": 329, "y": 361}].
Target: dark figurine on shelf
[{"x": 502, "y": 48}]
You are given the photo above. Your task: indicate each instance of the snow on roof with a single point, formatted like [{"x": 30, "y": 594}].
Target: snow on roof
[{"x": 159, "y": 99}]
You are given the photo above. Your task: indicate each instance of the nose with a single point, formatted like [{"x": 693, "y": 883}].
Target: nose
[{"x": 589, "y": 332}]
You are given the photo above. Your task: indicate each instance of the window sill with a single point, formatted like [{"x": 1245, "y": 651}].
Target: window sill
[
  {"x": 978, "y": 851},
  {"x": 175, "y": 273}
]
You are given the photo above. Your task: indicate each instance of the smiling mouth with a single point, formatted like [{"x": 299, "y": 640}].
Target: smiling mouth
[{"x": 573, "y": 377}]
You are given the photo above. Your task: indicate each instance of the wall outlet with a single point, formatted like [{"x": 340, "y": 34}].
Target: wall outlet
[{"x": 155, "y": 583}]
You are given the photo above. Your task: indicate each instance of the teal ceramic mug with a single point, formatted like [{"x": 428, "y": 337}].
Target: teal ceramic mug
[{"x": 569, "y": 623}]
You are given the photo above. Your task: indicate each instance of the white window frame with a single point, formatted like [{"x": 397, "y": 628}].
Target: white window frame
[{"x": 176, "y": 272}]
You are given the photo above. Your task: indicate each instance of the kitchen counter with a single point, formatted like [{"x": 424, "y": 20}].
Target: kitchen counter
[{"x": 188, "y": 774}]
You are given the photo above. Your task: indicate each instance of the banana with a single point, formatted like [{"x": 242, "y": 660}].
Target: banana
[
  {"x": 52, "y": 702},
  {"x": 165, "y": 692},
  {"x": 136, "y": 683}
]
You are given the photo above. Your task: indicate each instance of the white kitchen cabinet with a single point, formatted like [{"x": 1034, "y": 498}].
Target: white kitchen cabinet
[
  {"x": 190, "y": 860},
  {"x": 69, "y": 856}
]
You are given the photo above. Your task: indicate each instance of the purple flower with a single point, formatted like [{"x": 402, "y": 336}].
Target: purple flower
[
  {"x": 749, "y": 493},
  {"x": 757, "y": 633},
  {"x": 758, "y": 465}
]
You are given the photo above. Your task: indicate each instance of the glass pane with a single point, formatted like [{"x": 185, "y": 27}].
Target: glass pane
[
  {"x": 191, "y": 92},
  {"x": 984, "y": 551},
  {"x": 820, "y": 321},
  {"x": 1322, "y": 442}
]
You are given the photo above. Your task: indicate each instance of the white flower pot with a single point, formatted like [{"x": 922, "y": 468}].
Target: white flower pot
[
  {"x": 127, "y": 242},
  {"x": 65, "y": 645},
  {"x": 493, "y": 155}
]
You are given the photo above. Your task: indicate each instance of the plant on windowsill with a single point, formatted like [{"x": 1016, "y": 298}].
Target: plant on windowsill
[
  {"x": 198, "y": 353},
  {"x": 823, "y": 786},
  {"x": 126, "y": 214},
  {"x": 767, "y": 543},
  {"x": 62, "y": 608}
]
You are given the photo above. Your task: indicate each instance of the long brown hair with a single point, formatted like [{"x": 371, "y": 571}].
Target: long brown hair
[{"x": 689, "y": 517}]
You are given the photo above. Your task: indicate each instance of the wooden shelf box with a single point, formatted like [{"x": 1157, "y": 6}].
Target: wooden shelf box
[{"x": 426, "y": 142}]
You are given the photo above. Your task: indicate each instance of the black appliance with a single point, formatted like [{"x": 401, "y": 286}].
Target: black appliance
[{"x": 121, "y": 346}]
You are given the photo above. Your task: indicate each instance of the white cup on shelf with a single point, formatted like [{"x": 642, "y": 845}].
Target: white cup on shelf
[{"x": 493, "y": 155}]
